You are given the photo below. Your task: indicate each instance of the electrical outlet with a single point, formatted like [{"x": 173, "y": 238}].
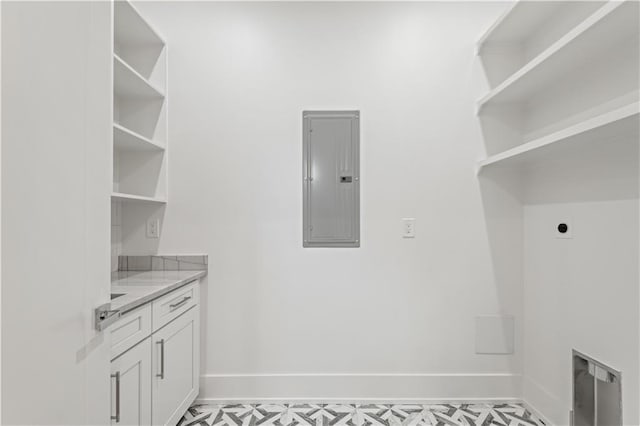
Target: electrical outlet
[
  {"x": 408, "y": 227},
  {"x": 153, "y": 228}
]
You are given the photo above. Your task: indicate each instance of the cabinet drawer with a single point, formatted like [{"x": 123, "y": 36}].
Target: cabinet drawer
[
  {"x": 174, "y": 304},
  {"x": 132, "y": 328}
]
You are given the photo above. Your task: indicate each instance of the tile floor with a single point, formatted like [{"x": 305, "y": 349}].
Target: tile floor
[{"x": 359, "y": 415}]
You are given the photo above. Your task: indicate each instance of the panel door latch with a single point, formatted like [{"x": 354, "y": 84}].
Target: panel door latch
[{"x": 104, "y": 316}]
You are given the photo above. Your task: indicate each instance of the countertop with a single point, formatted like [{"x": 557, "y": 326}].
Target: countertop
[{"x": 140, "y": 287}]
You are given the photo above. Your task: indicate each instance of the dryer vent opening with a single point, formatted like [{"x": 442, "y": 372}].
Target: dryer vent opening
[{"x": 597, "y": 398}]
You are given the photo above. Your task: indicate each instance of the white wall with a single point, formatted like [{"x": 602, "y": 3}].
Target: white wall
[
  {"x": 580, "y": 293},
  {"x": 396, "y": 313}
]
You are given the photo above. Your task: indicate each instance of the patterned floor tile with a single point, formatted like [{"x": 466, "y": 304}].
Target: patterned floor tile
[{"x": 359, "y": 415}]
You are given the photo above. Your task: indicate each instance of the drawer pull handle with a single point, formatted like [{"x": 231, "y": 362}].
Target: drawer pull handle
[
  {"x": 161, "y": 374},
  {"x": 117, "y": 416},
  {"x": 180, "y": 303}
]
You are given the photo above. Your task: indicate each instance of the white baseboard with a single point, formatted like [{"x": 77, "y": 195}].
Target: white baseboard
[
  {"x": 533, "y": 410},
  {"x": 396, "y": 388},
  {"x": 544, "y": 404}
]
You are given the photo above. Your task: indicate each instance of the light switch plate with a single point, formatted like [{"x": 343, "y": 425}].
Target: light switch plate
[
  {"x": 408, "y": 227},
  {"x": 153, "y": 228}
]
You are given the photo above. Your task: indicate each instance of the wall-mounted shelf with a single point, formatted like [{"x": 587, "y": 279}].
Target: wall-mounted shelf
[
  {"x": 130, "y": 28},
  {"x": 621, "y": 122},
  {"x": 614, "y": 22},
  {"x": 128, "y": 140},
  {"x": 137, "y": 198},
  {"x": 128, "y": 83},
  {"x": 519, "y": 21}
]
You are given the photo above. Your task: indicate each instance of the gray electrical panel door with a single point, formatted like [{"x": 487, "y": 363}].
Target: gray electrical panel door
[{"x": 331, "y": 179}]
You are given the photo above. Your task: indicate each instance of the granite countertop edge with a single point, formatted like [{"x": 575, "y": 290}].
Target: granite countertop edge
[{"x": 134, "y": 299}]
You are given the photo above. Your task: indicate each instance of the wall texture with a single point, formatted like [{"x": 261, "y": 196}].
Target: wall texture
[{"x": 392, "y": 319}]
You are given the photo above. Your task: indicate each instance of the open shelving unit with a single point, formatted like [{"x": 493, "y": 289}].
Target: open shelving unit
[
  {"x": 613, "y": 22},
  {"x": 140, "y": 172},
  {"x": 563, "y": 86},
  {"x": 139, "y": 128}
]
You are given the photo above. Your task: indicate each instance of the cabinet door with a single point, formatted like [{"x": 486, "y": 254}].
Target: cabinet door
[
  {"x": 176, "y": 361},
  {"x": 131, "y": 386}
]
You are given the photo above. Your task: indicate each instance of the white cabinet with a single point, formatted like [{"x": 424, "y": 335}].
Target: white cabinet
[
  {"x": 131, "y": 386},
  {"x": 174, "y": 304},
  {"x": 175, "y": 368},
  {"x": 130, "y": 329},
  {"x": 156, "y": 380}
]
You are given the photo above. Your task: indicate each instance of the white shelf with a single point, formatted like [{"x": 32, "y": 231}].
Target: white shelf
[
  {"x": 128, "y": 83},
  {"x": 519, "y": 21},
  {"x": 128, "y": 140},
  {"x": 612, "y": 23},
  {"x": 130, "y": 197},
  {"x": 623, "y": 121},
  {"x": 130, "y": 28}
]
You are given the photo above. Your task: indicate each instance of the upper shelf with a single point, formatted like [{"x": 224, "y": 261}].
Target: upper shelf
[
  {"x": 621, "y": 122},
  {"x": 130, "y": 28},
  {"x": 612, "y": 23},
  {"x": 128, "y": 83},
  {"x": 519, "y": 21}
]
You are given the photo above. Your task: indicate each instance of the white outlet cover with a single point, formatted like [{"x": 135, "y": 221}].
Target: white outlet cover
[
  {"x": 153, "y": 228},
  {"x": 408, "y": 227},
  {"x": 566, "y": 235}
]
